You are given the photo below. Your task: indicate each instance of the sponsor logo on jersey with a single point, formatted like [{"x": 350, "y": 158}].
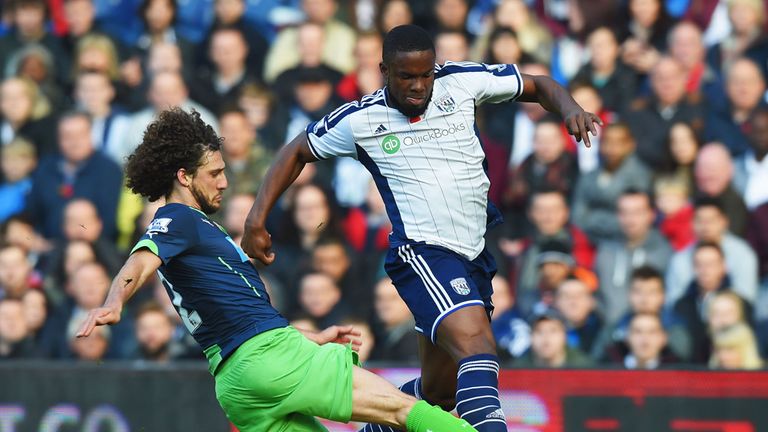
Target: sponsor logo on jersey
[
  {"x": 380, "y": 129},
  {"x": 390, "y": 144},
  {"x": 159, "y": 225},
  {"x": 435, "y": 133},
  {"x": 460, "y": 285},
  {"x": 445, "y": 103},
  {"x": 499, "y": 414}
]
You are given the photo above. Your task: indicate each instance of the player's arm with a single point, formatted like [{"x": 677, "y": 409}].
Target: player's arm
[
  {"x": 554, "y": 98},
  {"x": 140, "y": 265},
  {"x": 290, "y": 160}
]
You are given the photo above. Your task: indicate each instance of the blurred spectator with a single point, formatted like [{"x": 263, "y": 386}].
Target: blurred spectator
[
  {"x": 219, "y": 86},
  {"x": 81, "y": 21},
  {"x": 15, "y": 272},
  {"x": 757, "y": 235},
  {"x": 647, "y": 341},
  {"x": 394, "y": 13},
  {"x": 503, "y": 48},
  {"x": 18, "y": 231},
  {"x": 88, "y": 349},
  {"x": 97, "y": 53},
  {"x": 683, "y": 144},
  {"x": 94, "y": 94},
  {"x": 258, "y": 103},
  {"x": 24, "y": 112},
  {"x": 727, "y": 122},
  {"x": 714, "y": 174},
  {"x": 596, "y": 193},
  {"x": 154, "y": 334},
  {"x": 614, "y": 81},
  {"x": 450, "y": 15},
  {"x": 15, "y": 342},
  {"x": 368, "y": 340},
  {"x": 167, "y": 89},
  {"x": 507, "y": 134},
  {"x": 675, "y": 210},
  {"x": 311, "y": 37},
  {"x": 751, "y": 173},
  {"x": 36, "y": 64},
  {"x": 230, "y": 14},
  {"x": 549, "y": 348},
  {"x": 710, "y": 225},
  {"x": 575, "y": 301},
  {"x": 555, "y": 265},
  {"x": 650, "y": 117},
  {"x": 314, "y": 99},
  {"x": 320, "y": 299},
  {"x": 745, "y": 34},
  {"x": 686, "y": 45},
  {"x": 29, "y": 27},
  {"x": 587, "y": 96},
  {"x": 646, "y": 296},
  {"x": 725, "y": 309},
  {"x": 534, "y": 39},
  {"x": 451, "y": 46},
  {"x": 366, "y": 78},
  {"x": 646, "y": 38},
  {"x": 549, "y": 215},
  {"x": 17, "y": 161},
  {"x": 735, "y": 349},
  {"x": 578, "y": 17},
  {"x": 710, "y": 277},
  {"x": 330, "y": 256},
  {"x": 39, "y": 328},
  {"x": 711, "y": 15},
  {"x": 338, "y": 43},
  {"x": 396, "y": 337},
  {"x": 247, "y": 158},
  {"x": 159, "y": 18},
  {"x": 367, "y": 227},
  {"x": 79, "y": 172},
  {"x": 549, "y": 167},
  {"x": 235, "y": 214},
  {"x": 510, "y": 329},
  {"x": 641, "y": 245}
]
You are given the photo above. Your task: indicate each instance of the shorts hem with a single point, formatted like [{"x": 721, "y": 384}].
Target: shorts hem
[{"x": 445, "y": 313}]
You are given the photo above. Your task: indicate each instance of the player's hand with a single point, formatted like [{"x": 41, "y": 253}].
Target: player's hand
[
  {"x": 98, "y": 317},
  {"x": 257, "y": 243},
  {"x": 580, "y": 124},
  {"x": 341, "y": 335}
]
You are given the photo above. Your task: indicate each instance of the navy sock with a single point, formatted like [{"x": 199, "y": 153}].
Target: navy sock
[
  {"x": 477, "y": 393},
  {"x": 413, "y": 388}
]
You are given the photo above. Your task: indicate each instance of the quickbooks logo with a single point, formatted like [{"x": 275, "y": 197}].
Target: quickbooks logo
[{"x": 390, "y": 144}]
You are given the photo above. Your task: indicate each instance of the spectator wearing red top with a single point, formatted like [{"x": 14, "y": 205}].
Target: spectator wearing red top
[
  {"x": 366, "y": 78},
  {"x": 675, "y": 212}
]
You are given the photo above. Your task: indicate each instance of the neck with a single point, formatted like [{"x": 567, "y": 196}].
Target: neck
[
  {"x": 642, "y": 363},
  {"x": 230, "y": 74},
  {"x": 605, "y": 70},
  {"x": 182, "y": 196},
  {"x": 637, "y": 240},
  {"x": 308, "y": 240},
  {"x": 555, "y": 361},
  {"x": 100, "y": 111}
]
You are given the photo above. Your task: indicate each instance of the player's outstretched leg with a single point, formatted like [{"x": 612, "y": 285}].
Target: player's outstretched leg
[
  {"x": 467, "y": 337},
  {"x": 375, "y": 400},
  {"x": 411, "y": 388}
]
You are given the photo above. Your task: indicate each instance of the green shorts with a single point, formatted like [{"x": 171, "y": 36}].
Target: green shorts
[{"x": 280, "y": 380}]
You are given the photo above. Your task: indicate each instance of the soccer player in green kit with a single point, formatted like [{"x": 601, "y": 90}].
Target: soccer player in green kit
[{"x": 269, "y": 376}]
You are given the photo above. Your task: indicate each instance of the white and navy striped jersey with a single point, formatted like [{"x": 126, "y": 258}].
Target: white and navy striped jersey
[{"x": 430, "y": 170}]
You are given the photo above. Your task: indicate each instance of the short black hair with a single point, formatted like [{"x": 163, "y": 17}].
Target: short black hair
[
  {"x": 406, "y": 38},
  {"x": 177, "y": 139},
  {"x": 705, "y": 201},
  {"x": 647, "y": 272},
  {"x": 708, "y": 244}
]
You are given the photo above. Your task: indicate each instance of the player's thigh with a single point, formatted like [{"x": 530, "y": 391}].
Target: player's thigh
[
  {"x": 326, "y": 389},
  {"x": 434, "y": 282},
  {"x": 256, "y": 385}
]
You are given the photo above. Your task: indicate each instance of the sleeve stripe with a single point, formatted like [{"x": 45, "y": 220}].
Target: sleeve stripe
[
  {"x": 519, "y": 77},
  {"x": 146, "y": 243},
  {"x": 312, "y": 148}
]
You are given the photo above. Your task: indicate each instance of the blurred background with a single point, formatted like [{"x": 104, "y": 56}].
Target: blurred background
[{"x": 647, "y": 251}]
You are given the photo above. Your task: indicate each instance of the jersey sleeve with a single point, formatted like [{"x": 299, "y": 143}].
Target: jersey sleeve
[
  {"x": 487, "y": 82},
  {"x": 332, "y": 135},
  {"x": 170, "y": 234}
]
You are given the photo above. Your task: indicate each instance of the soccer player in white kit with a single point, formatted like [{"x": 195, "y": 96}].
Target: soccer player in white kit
[{"x": 417, "y": 137}]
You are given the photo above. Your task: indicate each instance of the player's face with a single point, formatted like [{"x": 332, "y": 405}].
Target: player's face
[
  {"x": 209, "y": 182},
  {"x": 410, "y": 78}
]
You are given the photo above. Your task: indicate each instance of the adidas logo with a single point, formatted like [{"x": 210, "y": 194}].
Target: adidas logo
[
  {"x": 499, "y": 414},
  {"x": 380, "y": 129}
]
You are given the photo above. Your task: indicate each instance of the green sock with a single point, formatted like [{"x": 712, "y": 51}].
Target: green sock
[{"x": 425, "y": 417}]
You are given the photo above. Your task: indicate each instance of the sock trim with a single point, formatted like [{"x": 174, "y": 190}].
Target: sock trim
[
  {"x": 477, "y": 387},
  {"x": 477, "y": 409},
  {"x": 479, "y": 397},
  {"x": 489, "y": 420}
]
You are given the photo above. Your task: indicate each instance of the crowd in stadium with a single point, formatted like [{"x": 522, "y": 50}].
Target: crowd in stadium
[{"x": 648, "y": 250}]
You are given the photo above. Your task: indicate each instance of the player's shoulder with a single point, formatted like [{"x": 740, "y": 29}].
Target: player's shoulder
[
  {"x": 348, "y": 111},
  {"x": 467, "y": 67},
  {"x": 174, "y": 215}
]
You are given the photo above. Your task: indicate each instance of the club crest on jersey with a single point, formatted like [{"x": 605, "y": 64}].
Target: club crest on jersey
[
  {"x": 460, "y": 285},
  {"x": 159, "y": 225},
  {"x": 445, "y": 103}
]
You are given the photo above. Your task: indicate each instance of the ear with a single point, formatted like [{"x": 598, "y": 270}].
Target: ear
[
  {"x": 384, "y": 72},
  {"x": 183, "y": 177}
]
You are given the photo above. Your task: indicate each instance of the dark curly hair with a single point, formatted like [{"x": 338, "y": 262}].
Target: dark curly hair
[{"x": 175, "y": 140}]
